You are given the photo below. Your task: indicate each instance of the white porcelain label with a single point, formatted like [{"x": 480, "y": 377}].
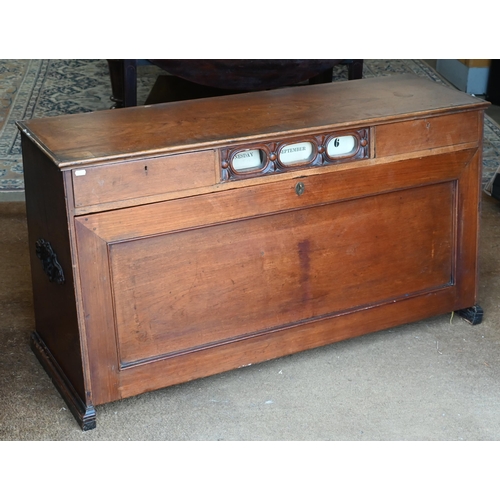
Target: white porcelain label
[
  {"x": 300, "y": 152},
  {"x": 341, "y": 146},
  {"x": 251, "y": 159}
]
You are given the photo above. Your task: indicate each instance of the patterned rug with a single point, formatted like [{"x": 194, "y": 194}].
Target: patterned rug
[{"x": 36, "y": 88}]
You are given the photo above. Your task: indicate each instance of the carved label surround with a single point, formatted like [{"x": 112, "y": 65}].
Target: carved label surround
[{"x": 271, "y": 151}]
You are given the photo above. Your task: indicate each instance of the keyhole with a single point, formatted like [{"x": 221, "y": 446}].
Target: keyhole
[{"x": 300, "y": 188}]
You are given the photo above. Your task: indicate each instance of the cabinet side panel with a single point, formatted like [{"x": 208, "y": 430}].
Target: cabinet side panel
[{"x": 55, "y": 308}]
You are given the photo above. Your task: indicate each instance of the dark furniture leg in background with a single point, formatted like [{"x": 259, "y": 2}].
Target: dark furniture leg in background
[
  {"x": 493, "y": 91},
  {"x": 123, "y": 74},
  {"x": 493, "y": 95},
  {"x": 355, "y": 69}
]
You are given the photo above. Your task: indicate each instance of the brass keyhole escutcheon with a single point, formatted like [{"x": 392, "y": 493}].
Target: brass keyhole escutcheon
[{"x": 300, "y": 188}]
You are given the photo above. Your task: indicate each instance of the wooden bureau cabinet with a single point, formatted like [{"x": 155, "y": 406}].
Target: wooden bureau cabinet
[{"x": 176, "y": 241}]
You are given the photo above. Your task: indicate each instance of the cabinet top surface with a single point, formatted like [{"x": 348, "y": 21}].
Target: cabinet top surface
[{"x": 206, "y": 123}]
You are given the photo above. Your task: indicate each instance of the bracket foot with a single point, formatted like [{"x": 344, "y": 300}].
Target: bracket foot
[{"x": 473, "y": 315}]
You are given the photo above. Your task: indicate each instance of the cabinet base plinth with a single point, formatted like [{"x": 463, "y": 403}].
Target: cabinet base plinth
[{"x": 84, "y": 414}]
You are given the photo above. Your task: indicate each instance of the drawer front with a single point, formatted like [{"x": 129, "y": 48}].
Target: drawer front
[
  {"x": 147, "y": 177},
  {"x": 426, "y": 133}
]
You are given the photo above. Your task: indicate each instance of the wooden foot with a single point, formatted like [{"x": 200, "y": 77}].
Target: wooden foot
[
  {"x": 473, "y": 315},
  {"x": 85, "y": 415}
]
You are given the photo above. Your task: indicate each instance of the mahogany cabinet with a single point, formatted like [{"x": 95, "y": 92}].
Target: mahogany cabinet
[{"x": 176, "y": 241}]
